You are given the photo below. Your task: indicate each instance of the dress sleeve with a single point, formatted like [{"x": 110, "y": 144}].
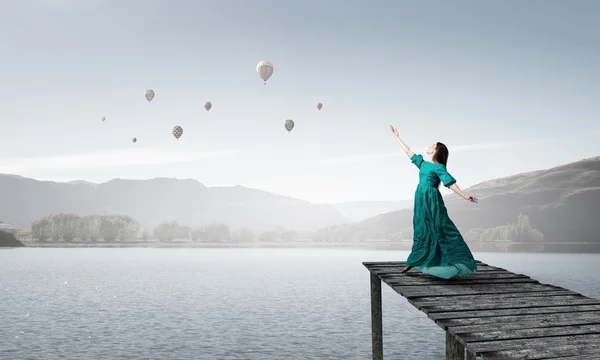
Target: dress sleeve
[
  {"x": 444, "y": 176},
  {"x": 417, "y": 159}
]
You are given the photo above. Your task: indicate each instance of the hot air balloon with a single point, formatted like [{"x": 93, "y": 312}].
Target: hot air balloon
[
  {"x": 289, "y": 125},
  {"x": 319, "y": 106},
  {"x": 134, "y": 140},
  {"x": 264, "y": 70},
  {"x": 149, "y": 95},
  {"x": 103, "y": 118},
  {"x": 207, "y": 105},
  {"x": 177, "y": 132}
]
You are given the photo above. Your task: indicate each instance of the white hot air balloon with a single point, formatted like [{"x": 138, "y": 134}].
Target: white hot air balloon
[
  {"x": 264, "y": 70},
  {"x": 149, "y": 95}
]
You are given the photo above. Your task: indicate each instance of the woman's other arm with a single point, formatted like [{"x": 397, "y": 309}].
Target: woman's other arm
[{"x": 457, "y": 190}]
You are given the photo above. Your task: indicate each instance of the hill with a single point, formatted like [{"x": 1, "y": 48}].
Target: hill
[
  {"x": 562, "y": 203},
  {"x": 360, "y": 210},
  {"x": 156, "y": 200},
  {"x": 8, "y": 239}
]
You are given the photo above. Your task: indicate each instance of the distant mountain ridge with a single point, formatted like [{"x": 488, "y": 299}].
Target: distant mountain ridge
[
  {"x": 360, "y": 210},
  {"x": 563, "y": 202},
  {"x": 152, "y": 201}
]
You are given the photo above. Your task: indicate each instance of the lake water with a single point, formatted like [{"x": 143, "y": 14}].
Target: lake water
[{"x": 267, "y": 304}]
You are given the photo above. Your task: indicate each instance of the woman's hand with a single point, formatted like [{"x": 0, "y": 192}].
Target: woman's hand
[
  {"x": 395, "y": 132},
  {"x": 472, "y": 199}
]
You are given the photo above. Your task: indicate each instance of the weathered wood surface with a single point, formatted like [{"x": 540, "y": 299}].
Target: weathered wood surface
[
  {"x": 455, "y": 350},
  {"x": 497, "y": 314},
  {"x": 376, "y": 318}
]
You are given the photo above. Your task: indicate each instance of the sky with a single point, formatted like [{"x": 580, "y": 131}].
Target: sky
[{"x": 509, "y": 86}]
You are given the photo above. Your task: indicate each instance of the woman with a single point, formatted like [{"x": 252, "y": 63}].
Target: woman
[{"x": 438, "y": 248}]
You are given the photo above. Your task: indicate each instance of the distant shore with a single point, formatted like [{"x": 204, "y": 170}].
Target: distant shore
[
  {"x": 492, "y": 246},
  {"x": 255, "y": 244}
]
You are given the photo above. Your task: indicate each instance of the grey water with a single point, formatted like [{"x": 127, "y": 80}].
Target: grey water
[{"x": 267, "y": 304}]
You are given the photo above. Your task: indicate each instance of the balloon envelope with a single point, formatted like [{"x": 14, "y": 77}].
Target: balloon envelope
[
  {"x": 207, "y": 105},
  {"x": 177, "y": 132},
  {"x": 134, "y": 140},
  {"x": 289, "y": 125},
  {"x": 149, "y": 95},
  {"x": 103, "y": 118},
  {"x": 319, "y": 106},
  {"x": 264, "y": 70}
]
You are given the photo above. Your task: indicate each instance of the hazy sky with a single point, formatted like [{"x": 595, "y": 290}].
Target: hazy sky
[{"x": 508, "y": 85}]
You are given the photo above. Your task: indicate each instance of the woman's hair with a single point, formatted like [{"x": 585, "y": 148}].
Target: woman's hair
[{"x": 440, "y": 156}]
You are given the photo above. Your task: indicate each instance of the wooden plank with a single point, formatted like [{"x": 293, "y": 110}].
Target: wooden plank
[
  {"x": 578, "y": 357},
  {"x": 390, "y": 269},
  {"x": 376, "y": 318},
  {"x": 391, "y": 263},
  {"x": 440, "y": 300},
  {"x": 495, "y": 274},
  {"x": 527, "y": 322},
  {"x": 538, "y": 302},
  {"x": 573, "y": 352},
  {"x": 501, "y": 303},
  {"x": 529, "y": 333},
  {"x": 369, "y": 264},
  {"x": 407, "y": 281},
  {"x": 481, "y": 275},
  {"x": 441, "y": 290},
  {"x": 402, "y": 265},
  {"x": 505, "y": 312},
  {"x": 518, "y": 318},
  {"x": 556, "y": 341}
]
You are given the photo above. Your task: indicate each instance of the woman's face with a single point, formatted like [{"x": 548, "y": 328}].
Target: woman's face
[{"x": 431, "y": 149}]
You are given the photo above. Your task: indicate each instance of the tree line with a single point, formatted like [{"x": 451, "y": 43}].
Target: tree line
[
  {"x": 68, "y": 227},
  {"x": 521, "y": 231},
  {"x": 118, "y": 227}
]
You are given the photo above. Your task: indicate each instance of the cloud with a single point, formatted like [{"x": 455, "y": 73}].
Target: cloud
[
  {"x": 107, "y": 159},
  {"x": 453, "y": 148}
]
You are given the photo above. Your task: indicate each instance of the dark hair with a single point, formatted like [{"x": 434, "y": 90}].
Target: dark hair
[{"x": 441, "y": 155}]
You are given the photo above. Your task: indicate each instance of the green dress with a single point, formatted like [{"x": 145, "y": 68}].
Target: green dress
[{"x": 438, "y": 248}]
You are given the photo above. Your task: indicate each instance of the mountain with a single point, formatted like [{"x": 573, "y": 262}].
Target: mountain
[
  {"x": 152, "y": 201},
  {"x": 563, "y": 203},
  {"x": 360, "y": 210}
]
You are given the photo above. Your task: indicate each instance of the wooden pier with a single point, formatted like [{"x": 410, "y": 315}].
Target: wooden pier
[{"x": 494, "y": 314}]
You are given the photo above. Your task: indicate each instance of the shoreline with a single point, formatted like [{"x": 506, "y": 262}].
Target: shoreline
[
  {"x": 251, "y": 245},
  {"x": 496, "y": 246}
]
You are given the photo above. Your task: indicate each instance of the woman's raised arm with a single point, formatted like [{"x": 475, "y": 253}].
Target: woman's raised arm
[{"x": 404, "y": 147}]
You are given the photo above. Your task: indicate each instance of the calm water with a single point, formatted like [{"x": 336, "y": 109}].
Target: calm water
[{"x": 223, "y": 303}]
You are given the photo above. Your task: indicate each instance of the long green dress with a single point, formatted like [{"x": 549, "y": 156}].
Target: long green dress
[{"x": 438, "y": 248}]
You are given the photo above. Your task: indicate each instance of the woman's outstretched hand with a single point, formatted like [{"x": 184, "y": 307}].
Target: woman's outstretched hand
[
  {"x": 472, "y": 199},
  {"x": 395, "y": 132}
]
